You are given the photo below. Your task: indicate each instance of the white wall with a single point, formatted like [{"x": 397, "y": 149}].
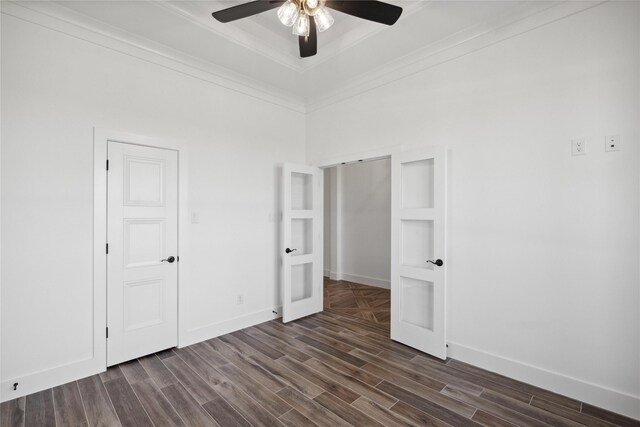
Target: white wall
[
  {"x": 543, "y": 255},
  {"x": 56, "y": 88},
  {"x": 365, "y": 217}
]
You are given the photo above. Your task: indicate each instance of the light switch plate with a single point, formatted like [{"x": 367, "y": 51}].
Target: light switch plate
[{"x": 612, "y": 143}]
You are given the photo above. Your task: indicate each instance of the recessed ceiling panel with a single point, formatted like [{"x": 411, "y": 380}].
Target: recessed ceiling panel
[{"x": 262, "y": 49}]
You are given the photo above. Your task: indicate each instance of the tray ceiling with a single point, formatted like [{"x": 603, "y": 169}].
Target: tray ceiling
[{"x": 264, "y": 51}]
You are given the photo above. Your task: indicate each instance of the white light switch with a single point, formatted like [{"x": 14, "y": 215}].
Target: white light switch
[
  {"x": 612, "y": 143},
  {"x": 578, "y": 147},
  {"x": 195, "y": 218}
]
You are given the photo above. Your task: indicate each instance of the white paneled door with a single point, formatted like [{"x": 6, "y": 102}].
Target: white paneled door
[
  {"x": 142, "y": 236},
  {"x": 302, "y": 196},
  {"x": 418, "y": 293}
]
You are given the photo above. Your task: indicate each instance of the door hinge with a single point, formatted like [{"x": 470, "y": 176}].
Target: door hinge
[
  {"x": 107, "y": 249},
  {"x": 107, "y": 164},
  {"x": 107, "y": 332}
]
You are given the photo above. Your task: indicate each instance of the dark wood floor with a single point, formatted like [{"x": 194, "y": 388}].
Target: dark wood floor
[
  {"x": 361, "y": 301},
  {"x": 325, "y": 370}
]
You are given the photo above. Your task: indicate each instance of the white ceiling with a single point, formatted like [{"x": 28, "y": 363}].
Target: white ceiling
[{"x": 263, "y": 50}]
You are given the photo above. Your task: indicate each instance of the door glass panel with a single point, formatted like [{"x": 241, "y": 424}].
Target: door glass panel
[
  {"x": 301, "y": 191},
  {"x": 418, "y": 184},
  {"x": 302, "y": 236},
  {"x": 416, "y": 306},
  {"x": 417, "y": 243},
  {"x": 301, "y": 282}
]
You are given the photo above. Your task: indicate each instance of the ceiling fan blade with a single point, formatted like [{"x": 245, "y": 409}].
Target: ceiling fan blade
[
  {"x": 309, "y": 45},
  {"x": 370, "y": 10},
  {"x": 245, "y": 10}
]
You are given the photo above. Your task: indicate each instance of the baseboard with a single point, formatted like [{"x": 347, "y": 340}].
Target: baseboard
[
  {"x": 335, "y": 276},
  {"x": 364, "y": 280},
  {"x": 593, "y": 394},
  {"x": 227, "y": 326},
  {"x": 326, "y": 273},
  {"x": 42, "y": 380}
]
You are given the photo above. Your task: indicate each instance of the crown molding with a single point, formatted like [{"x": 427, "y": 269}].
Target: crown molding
[
  {"x": 242, "y": 38},
  {"x": 460, "y": 44},
  {"x": 73, "y": 24},
  {"x": 77, "y": 25}
]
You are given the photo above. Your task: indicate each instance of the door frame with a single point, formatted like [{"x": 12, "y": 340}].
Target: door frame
[
  {"x": 388, "y": 152},
  {"x": 101, "y": 138}
]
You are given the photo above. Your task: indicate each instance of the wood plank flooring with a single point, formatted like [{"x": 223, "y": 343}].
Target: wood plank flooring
[
  {"x": 361, "y": 301},
  {"x": 325, "y": 370}
]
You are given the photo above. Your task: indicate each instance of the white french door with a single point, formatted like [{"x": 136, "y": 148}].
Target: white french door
[
  {"x": 142, "y": 236},
  {"x": 302, "y": 197},
  {"x": 418, "y": 292}
]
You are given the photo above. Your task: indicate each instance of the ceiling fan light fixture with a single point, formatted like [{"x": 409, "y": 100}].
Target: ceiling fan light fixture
[
  {"x": 309, "y": 17},
  {"x": 324, "y": 19},
  {"x": 288, "y": 13},
  {"x": 301, "y": 27},
  {"x": 311, "y": 7}
]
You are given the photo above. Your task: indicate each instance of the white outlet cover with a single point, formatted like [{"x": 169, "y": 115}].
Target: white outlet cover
[
  {"x": 612, "y": 143},
  {"x": 578, "y": 147}
]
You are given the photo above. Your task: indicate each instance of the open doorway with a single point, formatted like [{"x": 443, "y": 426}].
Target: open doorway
[
  {"x": 417, "y": 274},
  {"x": 357, "y": 240}
]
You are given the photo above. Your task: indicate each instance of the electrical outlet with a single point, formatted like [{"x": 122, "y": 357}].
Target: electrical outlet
[
  {"x": 612, "y": 143},
  {"x": 578, "y": 147},
  {"x": 239, "y": 299}
]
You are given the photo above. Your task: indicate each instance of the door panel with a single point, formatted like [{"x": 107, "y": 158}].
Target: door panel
[
  {"x": 302, "y": 241},
  {"x": 144, "y": 242},
  {"x": 418, "y": 293},
  {"x": 144, "y": 181},
  {"x": 144, "y": 305},
  {"x": 142, "y": 231}
]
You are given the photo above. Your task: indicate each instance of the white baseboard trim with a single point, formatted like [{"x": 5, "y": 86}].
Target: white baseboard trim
[
  {"x": 364, "y": 280},
  {"x": 335, "y": 276},
  {"x": 227, "y": 326},
  {"x": 326, "y": 273},
  {"x": 42, "y": 380},
  {"x": 593, "y": 394}
]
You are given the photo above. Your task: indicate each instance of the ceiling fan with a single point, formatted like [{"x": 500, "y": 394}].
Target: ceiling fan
[{"x": 309, "y": 16}]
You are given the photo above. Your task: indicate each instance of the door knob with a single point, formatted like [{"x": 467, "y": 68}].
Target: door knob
[
  {"x": 437, "y": 262},
  {"x": 289, "y": 250},
  {"x": 169, "y": 260}
]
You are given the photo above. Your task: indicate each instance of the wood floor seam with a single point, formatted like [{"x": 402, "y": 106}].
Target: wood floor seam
[{"x": 84, "y": 409}]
